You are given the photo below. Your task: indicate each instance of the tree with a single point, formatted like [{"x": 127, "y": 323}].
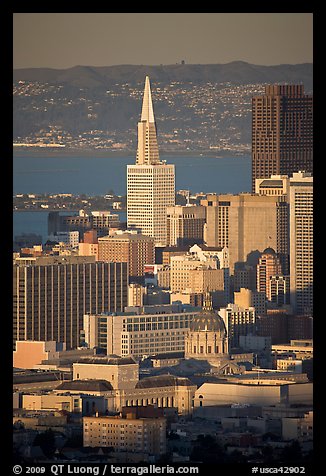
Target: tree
[
  {"x": 292, "y": 452},
  {"x": 207, "y": 450},
  {"x": 46, "y": 442}
]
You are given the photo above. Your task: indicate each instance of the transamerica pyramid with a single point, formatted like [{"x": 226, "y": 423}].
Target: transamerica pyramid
[
  {"x": 150, "y": 182},
  {"x": 147, "y": 150}
]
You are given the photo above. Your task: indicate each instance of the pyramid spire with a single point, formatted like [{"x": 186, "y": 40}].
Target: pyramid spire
[
  {"x": 147, "y": 113},
  {"x": 147, "y": 150}
]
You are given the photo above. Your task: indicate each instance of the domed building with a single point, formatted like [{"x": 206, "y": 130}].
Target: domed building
[{"x": 207, "y": 336}]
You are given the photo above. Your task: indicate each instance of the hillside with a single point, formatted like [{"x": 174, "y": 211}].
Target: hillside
[{"x": 197, "y": 107}]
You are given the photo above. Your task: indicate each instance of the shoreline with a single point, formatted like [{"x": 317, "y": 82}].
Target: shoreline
[{"x": 90, "y": 153}]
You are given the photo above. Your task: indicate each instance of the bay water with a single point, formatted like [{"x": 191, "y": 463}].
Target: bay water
[{"x": 100, "y": 175}]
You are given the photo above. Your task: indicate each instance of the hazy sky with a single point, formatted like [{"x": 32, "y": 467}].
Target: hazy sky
[{"x": 62, "y": 40}]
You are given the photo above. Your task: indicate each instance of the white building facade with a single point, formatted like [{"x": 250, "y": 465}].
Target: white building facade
[{"x": 150, "y": 182}]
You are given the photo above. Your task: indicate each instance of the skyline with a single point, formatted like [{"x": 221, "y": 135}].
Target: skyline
[{"x": 64, "y": 40}]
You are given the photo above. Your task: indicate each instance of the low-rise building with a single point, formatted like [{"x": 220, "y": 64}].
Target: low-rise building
[
  {"x": 121, "y": 373},
  {"x": 254, "y": 392},
  {"x": 57, "y": 401},
  {"x": 300, "y": 429},
  {"x": 31, "y": 353},
  {"x": 130, "y": 434}
]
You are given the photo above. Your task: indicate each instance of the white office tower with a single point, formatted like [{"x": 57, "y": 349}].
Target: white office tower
[
  {"x": 151, "y": 182},
  {"x": 301, "y": 243}
]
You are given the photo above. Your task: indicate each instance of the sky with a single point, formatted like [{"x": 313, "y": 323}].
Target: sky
[{"x": 63, "y": 40}]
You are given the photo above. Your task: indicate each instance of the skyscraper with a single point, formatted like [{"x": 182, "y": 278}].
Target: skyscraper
[
  {"x": 301, "y": 242},
  {"x": 282, "y": 131},
  {"x": 51, "y": 295},
  {"x": 135, "y": 249},
  {"x": 185, "y": 225},
  {"x": 247, "y": 223},
  {"x": 268, "y": 265},
  {"x": 151, "y": 182}
]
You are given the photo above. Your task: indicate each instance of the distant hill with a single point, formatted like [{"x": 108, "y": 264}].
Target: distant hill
[
  {"x": 237, "y": 72},
  {"x": 197, "y": 107}
]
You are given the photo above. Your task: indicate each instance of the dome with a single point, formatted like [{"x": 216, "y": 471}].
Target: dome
[
  {"x": 208, "y": 320},
  {"x": 269, "y": 251}
]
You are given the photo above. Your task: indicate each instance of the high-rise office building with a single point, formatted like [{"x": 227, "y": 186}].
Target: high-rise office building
[
  {"x": 268, "y": 265},
  {"x": 198, "y": 272},
  {"x": 151, "y": 182},
  {"x": 134, "y": 248},
  {"x": 301, "y": 243},
  {"x": 246, "y": 298},
  {"x": 246, "y": 224},
  {"x": 274, "y": 185},
  {"x": 279, "y": 290},
  {"x": 145, "y": 330},
  {"x": 282, "y": 131},
  {"x": 52, "y": 294},
  {"x": 238, "y": 322},
  {"x": 185, "y": 225}
]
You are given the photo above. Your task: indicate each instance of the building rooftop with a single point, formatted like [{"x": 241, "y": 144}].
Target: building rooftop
[
  {"x": 163, "y": 381},
  {"x": 86, "y": 385},
  {"x": 271, "y": 183},
  {"x": 169, "y": 355},
  {"x": 107, "y": 360}
]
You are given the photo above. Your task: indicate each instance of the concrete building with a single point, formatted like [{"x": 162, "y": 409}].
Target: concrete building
[
  {"x": 247, "y": 224},
  {"x": 121, "y": 373},
  {"x": 301, "y": 243},
  {"x": 30, "y": 354},
  {"x": 52, "y": 294},
  {"x": 292, "y": 365},
  {"x": 246, "y": 298},
  {"x": 260, "y": 392},
  {"x": 268, "y": 265},
  {"x": 297, "y": 349},
  {"x": 151, "y": 182},
  {"x": 185, "y": 225},
  {"x": 260, "y": 346},
  {"x": 282, "y": 131},
  {"x": 88, "y": 249},
  {"x": 196, "y": 300},
  {"x": 253, "y": 342},
  {"x": 133, "y": 248},
  {"x": 89, "y": 244},
  {"x": 142, "y": 331},
  {"x": 136, "y": 293},
  {"x": 279, "y": 290},
  {"x": 74, "y": 403},
  {"x": 244, "y": 276},
  {"x": 70, "y": 238},
  {"x": 238, "y": 321},
  {"x": 299, "y": 429},
  {"x": 275, "y": 323},
  {"x": 119, "y": 391},
  {"x": 198, "y": 272},
  {"x": 130, "y": 434},
  {"x": 301, "y": 327},
  {"x": 158, "y": 275},
  {"x": 101, "y": 221},
  {"x": 169, "y": 251},
  {"x": 273, "y": 185},
  {"x": 163, "y": 391},
  {"x": 283, "y": 326}
]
